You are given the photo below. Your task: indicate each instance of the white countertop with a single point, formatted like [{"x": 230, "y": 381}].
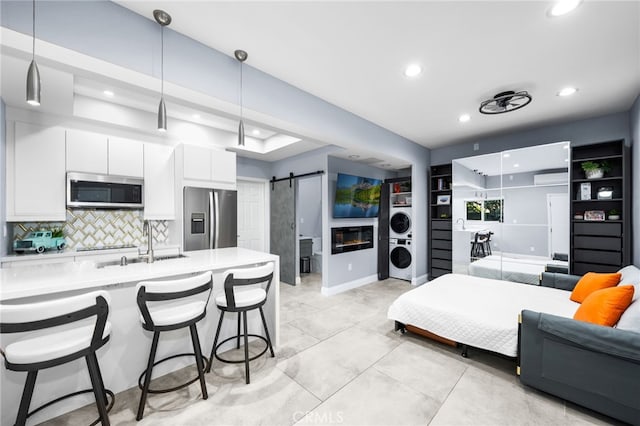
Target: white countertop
[
  {"x": 49, "y": 279},
  {"x": 54, "y": 254}
]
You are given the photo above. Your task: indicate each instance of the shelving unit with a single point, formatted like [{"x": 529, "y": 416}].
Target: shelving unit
[
  {"x": 601, "y": 245},
  {"x": 400, "y": 194},
  {"x": 440, "y": 220}
]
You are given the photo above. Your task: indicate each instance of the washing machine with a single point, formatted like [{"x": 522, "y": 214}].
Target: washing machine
[
  {"x": 400, "y": 258},
  {"x": 400, "y": 223}
]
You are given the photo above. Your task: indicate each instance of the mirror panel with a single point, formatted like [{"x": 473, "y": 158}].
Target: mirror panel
[{"x": 511, "y": 213}]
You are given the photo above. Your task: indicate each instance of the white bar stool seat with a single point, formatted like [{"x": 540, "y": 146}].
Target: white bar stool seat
[
  {"x": 172, "y": 305},
  {"x": 57, "y": 332},
  {"x": 244, "y": 290}
]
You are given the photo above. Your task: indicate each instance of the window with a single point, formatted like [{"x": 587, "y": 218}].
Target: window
[{"x": 487, "y": 210}]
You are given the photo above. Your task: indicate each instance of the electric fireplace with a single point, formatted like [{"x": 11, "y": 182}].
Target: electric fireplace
[{"x": 351, "y": 238}]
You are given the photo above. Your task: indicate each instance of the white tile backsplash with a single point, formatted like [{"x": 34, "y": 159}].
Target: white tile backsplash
[{"x": 99, "y": 228}]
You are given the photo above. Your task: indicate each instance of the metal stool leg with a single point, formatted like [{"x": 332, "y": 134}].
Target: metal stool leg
[
  {"x": 198, "y": 351},
  {"x": 266, "y": 331},
  {"x": 246, "y": 348},
  {"x": 25, "y": 401},
  {"x": 98, "y": 387},
  {"x": 215, "y": 341},
  {"x": 147, "y": 378},
  {"x": 238, "y": 342}
]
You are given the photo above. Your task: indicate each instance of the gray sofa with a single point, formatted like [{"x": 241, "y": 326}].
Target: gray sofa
[{"x": 591, "y": 365}]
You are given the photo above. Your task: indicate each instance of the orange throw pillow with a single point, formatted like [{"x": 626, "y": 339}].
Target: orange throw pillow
[
  {"x": 592, "y": 281},
  {"x": 606, "y": 306}
]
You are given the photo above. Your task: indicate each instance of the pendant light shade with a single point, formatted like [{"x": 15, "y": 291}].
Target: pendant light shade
[
  {"x": 162, "y": 116},
  {"x": 33, "y": 84},
  {"x": 33, "y": 74},
  {"x": 164, "y": 19},
  {"x": 241, "y": 56}
]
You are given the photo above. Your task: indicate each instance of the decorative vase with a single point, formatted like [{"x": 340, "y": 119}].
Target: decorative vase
[{"x": 594, "y": 174}]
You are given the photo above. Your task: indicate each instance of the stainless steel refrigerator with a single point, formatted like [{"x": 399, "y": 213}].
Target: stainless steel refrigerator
[{"x": 210, "y": 218}]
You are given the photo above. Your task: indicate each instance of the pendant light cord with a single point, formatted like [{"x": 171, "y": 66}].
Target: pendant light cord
[
  {"x": 162, "y": 62},
  {"x": 240, "y": 91},
  {"x": 33, "y": 22}
]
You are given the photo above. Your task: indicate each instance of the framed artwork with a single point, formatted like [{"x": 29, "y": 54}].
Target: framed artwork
[
  {"x": 597, "y": 215},
  {"x": 585, "y": 191},
  {"x": 443, "y": 199}
]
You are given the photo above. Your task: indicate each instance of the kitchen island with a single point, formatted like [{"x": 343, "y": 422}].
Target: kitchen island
[{"x": 124, "y": 357}]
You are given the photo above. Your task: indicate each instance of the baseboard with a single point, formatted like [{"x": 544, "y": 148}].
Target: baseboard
[
  {"x": 298, "y": 280},
  {"x": 341, "y": 288},
  {"x": 420, "y": 280}
]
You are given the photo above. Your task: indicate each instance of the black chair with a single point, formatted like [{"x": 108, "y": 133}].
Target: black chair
[
  {"x": 171, "y": 305},
  {"x": 241, "y": 300},
  {"x": 480, "y": 246},
  {"x": 78, "y": 339}
]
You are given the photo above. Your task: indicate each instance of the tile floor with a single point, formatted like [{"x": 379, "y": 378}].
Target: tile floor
[{"x": 341, "y": 363}]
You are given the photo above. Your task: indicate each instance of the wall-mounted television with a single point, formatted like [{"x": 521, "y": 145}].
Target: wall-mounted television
[{"x": 356, "y": 196}]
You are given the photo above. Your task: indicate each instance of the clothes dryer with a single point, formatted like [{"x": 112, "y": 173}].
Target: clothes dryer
[
  {"x": 400, "y": 223},
  {"x": 400, "y": 258}
]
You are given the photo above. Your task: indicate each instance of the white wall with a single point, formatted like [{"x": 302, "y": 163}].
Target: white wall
[{"x": 309, "y": 206}]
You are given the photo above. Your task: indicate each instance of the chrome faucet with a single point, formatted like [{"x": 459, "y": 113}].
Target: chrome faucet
[
  {"x": 458, "y": 221},
  {"x": 147, "y": 230}
]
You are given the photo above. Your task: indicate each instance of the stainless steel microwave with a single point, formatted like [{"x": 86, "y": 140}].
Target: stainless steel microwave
[{"x": 104, "y": 191}]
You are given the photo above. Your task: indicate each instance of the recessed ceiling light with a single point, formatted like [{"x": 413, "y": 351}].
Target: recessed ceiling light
[
  {"x": 108, "y": 93},
  {"x": 516, "y": 165},
  {"x": 353, "y": 156},
  {"x": 256, "y": 132},
  {"x": 567, "y": 91},
  {"x": 412, "y": 70},
  {"x": 562, "y": 7},
  {"x": 464, "y": 118},
  {"x": 196, "y": 116},
  {"x": 507, "y": 155}
]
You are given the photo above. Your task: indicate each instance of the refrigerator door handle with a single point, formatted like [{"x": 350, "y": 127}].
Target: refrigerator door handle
[
  {"x": 217, "y": 219},
  {"x": 212, "y": 220}
]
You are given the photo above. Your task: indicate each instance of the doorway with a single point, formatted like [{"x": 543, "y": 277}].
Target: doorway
[
  {"x": 253, "y": 200},
  {"x": 309, "y": 241},
  {"x": 558, "y": 211}
]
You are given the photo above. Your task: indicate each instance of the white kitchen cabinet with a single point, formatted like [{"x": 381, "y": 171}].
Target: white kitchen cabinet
[
  {"x": 35, "y": 188},
  {"x": 197, "y": 163},
  {"x": 223, "y": 166},
  {"x": 86, "y": 152},
  {"x": 125, "y": 157},
  {"x": 95, "y": 153},
  {"x": 159, "y": 181},
  {"x": 209, "y": 165}
]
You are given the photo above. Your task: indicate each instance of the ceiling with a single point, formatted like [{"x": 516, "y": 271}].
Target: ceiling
[{"x": 353, "y": 54}]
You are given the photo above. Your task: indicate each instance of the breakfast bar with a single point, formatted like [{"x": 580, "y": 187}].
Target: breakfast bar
[{"x": 124, "y": 357}]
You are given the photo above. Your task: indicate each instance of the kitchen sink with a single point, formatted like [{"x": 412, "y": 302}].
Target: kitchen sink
[{"x": 118, "y": 262}]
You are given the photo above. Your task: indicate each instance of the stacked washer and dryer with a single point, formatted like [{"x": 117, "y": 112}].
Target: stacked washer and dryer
[{"x": 400, "y": 252}]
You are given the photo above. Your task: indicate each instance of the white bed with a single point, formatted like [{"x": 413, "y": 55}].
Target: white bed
[
  {"x": 475, "y": 311},
  {"x": 519, "y": 269}
]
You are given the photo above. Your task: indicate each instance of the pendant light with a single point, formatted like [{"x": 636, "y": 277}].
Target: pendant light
[
  {"x": 241, "y": 56},
  {"x": 164, "y": 19},
  {"x": 33, "y": 75}
]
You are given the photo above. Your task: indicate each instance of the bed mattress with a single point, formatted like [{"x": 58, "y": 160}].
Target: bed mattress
[
  {"x": 521, "y": 270},
  {"x": 478, "y": 312}
]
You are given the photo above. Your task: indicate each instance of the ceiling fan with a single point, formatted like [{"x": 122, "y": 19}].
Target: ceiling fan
[{"x": 505, "y": 102}]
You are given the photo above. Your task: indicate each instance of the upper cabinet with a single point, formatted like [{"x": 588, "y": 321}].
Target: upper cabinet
[
  {"x": 35, "y": 173},
  {"x": 159, "y": 172},
  {"x": 126, "y": 157},
  {"x": 95, "y": 153},
  {"x": 207, "y": 167}
]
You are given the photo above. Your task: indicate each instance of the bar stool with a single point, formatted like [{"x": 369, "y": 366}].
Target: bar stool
[
  {"x": 169, "y": 305},
  {"x": 77, "y": 338},
  {"x": 241, "y": 301}
]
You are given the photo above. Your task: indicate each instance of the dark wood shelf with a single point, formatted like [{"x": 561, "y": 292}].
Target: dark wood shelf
[
  {"x": 440, "y": 253},
  {"x": 601, "y": 245}
]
